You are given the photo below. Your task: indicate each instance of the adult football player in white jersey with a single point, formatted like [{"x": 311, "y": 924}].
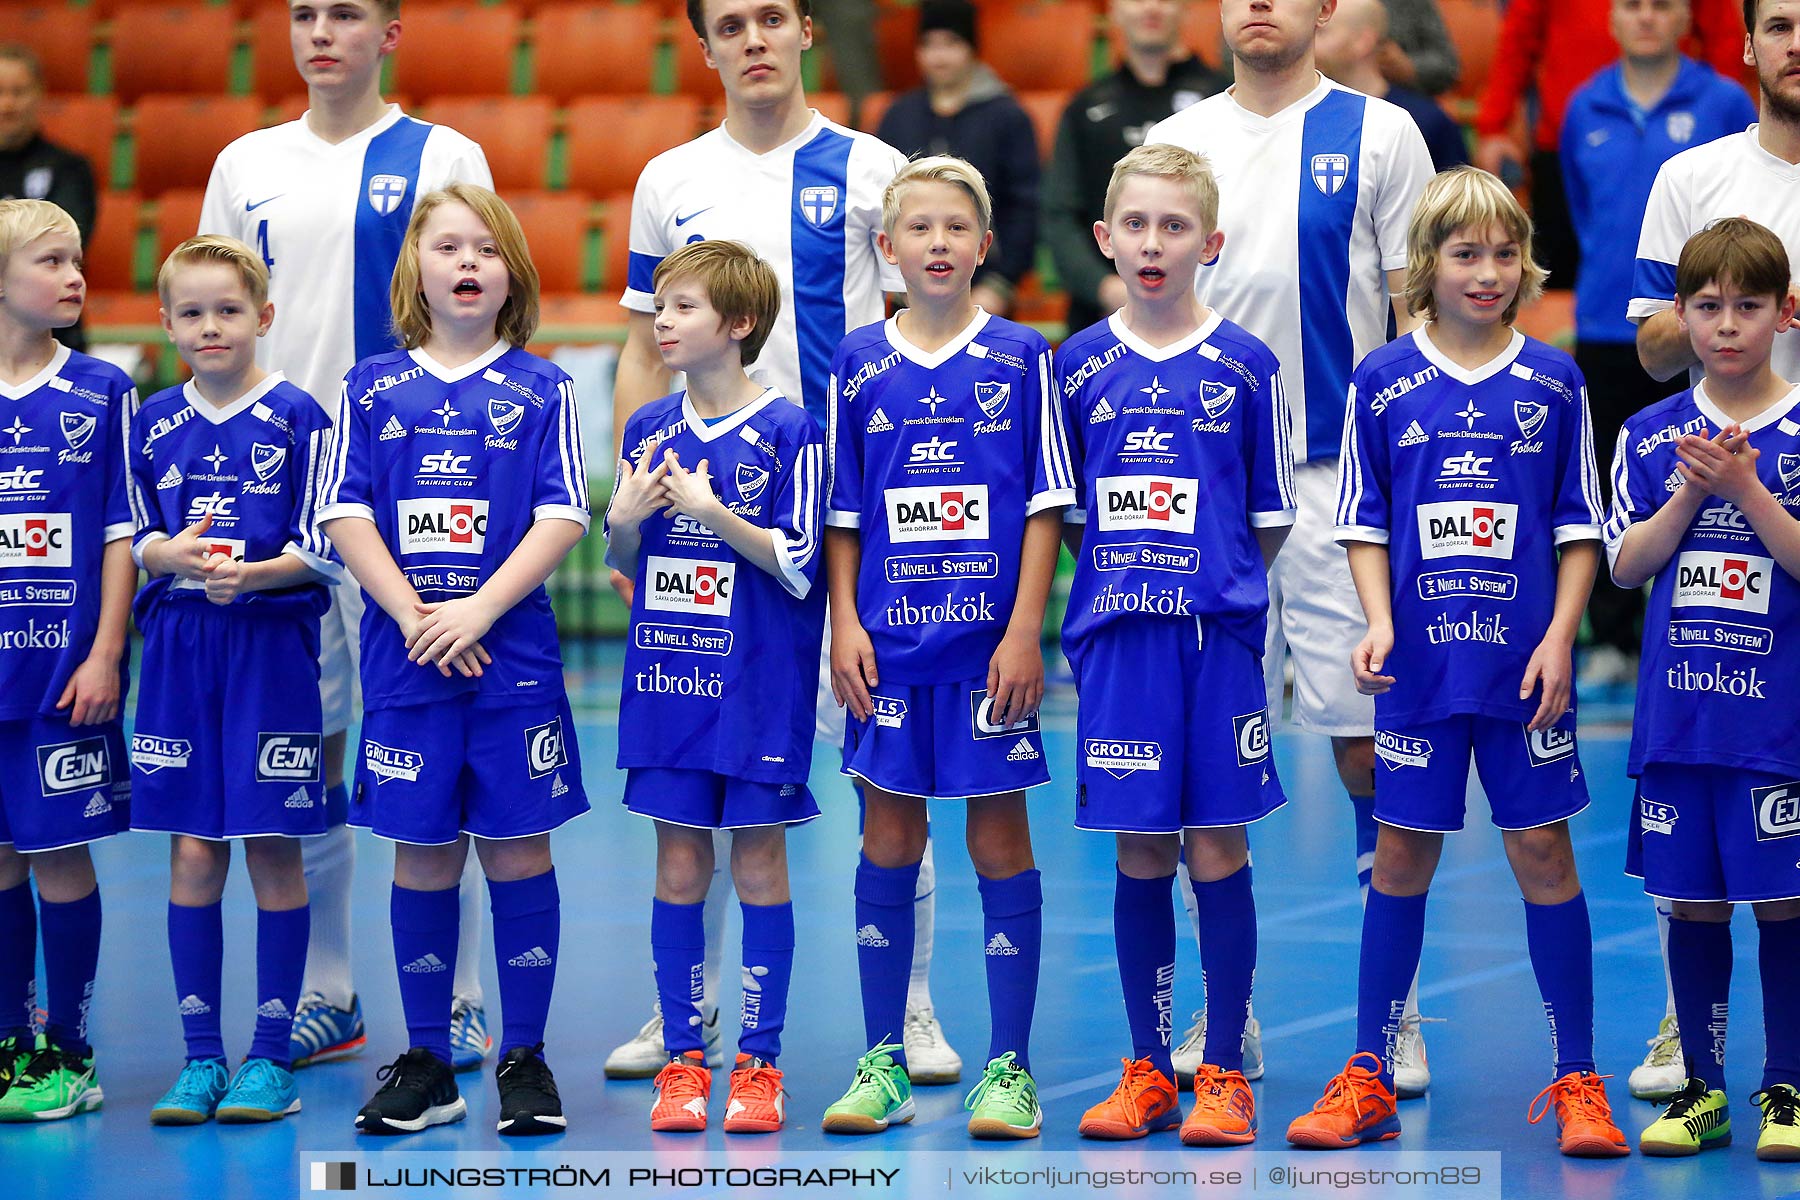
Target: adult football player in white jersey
[
  {"x": 325, "y": 201},
  {"x": 1316, "y": 186},
  {"x": 805, "y": 194}
]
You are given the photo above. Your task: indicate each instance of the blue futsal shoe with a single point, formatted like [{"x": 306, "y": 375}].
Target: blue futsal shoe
[
  {"x": 195, "y": 1095},
  {"x": 260, "y": 1091}
]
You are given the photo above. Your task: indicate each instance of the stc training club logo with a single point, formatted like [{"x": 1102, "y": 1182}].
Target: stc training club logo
[
  {"x": 1466, "y": 529},
  {"x": 457, "y": 527},
  {"x": 930, "y": 514},
  {"x": 690, "y": 585},
  {"x": 1713, "y": 580},
  {"x": 1147, "y": 502}
]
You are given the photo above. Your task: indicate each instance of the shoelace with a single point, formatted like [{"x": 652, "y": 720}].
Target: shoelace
[
  {"x": 759, "y": 1082},
  {"x": 1582, "y": 1094},
  {"x": 1005, "y": 1080},
  {"x": 1683, "y": 1101},
  {"x": 42, "y": 1064},
  {"x": 1349, "y": 1090},
  {"x": 1196, "y": 1031},
  {"x": 258, "y": 1072},
  {"x": 1781, "y": 1105},
  {"x": 1665, "y": 1045},
  {"x": 870, "y": 1075},
  {"x": 918, "y": 1021},
  {"x": 681, "y": 1080},
  {"x": 1132, "y": 1086},
  {"x": 406, "y": 1071},
  {"x": 195, "y": 1080}
]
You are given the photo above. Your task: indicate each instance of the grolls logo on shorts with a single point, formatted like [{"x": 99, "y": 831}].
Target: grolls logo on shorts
[
  {"x": 1251, "y": 733},
  {"x": 151, "y": 754},
  {"x": 74, "y": 766},
  {"x": 544, "y": 748},
  {"x": 1777, "y": 811},
  {"x": 1464, "y": 528},
  {"x": 1122, "y": 758},
  {"x": 385, "y": 763},
  {"x": 1656, "y": 818},
  {"x": 287, "y": 757},
  {"x": 1397, "y": 750},
  {"x": 1146, "y": 502},
  {"x": 934, "y": 514},
  {"x": 689, "y": 585},
  {"x": 1714, "y": 580},
  {"x": 455, "y": 526},
  {"x": 35, "y": 540}
]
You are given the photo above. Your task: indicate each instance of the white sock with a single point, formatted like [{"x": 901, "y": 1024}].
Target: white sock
[
  {"x": 918, "y": 989},
  {"x": 1662, "y": 937},
  {"x": 719, "y": 897},
  {"x": 472, "y": 894},
  {"x": 330, "y": 863}
]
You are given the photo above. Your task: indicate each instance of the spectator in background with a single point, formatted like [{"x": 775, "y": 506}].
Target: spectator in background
[
  {"x": 1553, "y": 48},
  {"x": 34, "y": 169},
  {"x": 1159, "y": 77},
  {"x": 850, "y": 41},
  {"x": 1350, "y": 49},
  {"x": 1620, "y": 127},
  {"x": 964, "y": 109},
  {"x": 1418, "y": 53}
]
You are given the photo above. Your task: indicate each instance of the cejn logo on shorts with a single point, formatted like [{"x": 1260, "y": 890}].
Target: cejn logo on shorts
[
  {"x": 982, "y": 723},
  {"x": 545, "y": 750},
  {"x": 73, "y": 766},
  {"x": 456, "y": 526},
  {"x": 1549, "y": 745},
  {"x": 1463, "y": 528},
  {"x": 689, "y": 585},
  {"x": 1714, "y": 580},
  {"x": 1777, "y": 811},
  {"x": 35, "y": 540},
  {"x": 937, "y": 514},
  {"x": 287, "y": 757},
  {"x": 1146, "y": 502},
  {"x": 1251, "y": 733}
]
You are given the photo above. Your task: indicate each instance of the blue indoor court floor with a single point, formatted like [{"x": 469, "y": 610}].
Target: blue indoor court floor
[{"x": 1489, "y": 1048}]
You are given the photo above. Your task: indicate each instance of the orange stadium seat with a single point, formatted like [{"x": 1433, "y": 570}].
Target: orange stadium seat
[
  {"x": 272, "y": 70},
  {"x": 1045, "y": 110},
  {"x": 611, "y": 138},
  {"x": 615, "y": 246},
  {"x": 177, "y": 219},
  {"x": 1042, "y": 46},
  {"x": 584, "y": 49},
  {"x": 110, "y": 256},
  {"x": 457, "y": 48},
  {"x": 896, "y": 32},
  {"x": 63, "y": 38},
  {"x": 556, "y": 226},
  {"x": 1474, "y": 27},
  {"x": 1201, "y": 31},
  {"x": 178, "y": 137},
  {"x": 171, "y": 48},
  {"x": 87, "y": 125},
  {"x": 874, "y": 106},
  {"x": 835, "y": 105},
  {"x": 514, "y": 132}
]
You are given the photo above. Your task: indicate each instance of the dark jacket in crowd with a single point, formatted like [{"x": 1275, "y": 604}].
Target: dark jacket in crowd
[{"x": 42, "y": 170}]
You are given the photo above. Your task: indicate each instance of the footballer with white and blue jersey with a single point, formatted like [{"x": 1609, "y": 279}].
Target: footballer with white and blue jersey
[
  {"x": 948, "y": 471},
  {"x": 1180, "y": 448},
  {"x": 66, "y": 578},
  {"x": 455, "y": 487},
  {"x": 224, "y": 472},
  {"x": 1705, "y": 484},
  {"x": 1470, "y": 508},
  {"x": 717, "y": 518}
]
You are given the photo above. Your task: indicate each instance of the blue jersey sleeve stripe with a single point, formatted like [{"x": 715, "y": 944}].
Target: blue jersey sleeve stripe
[
  {"x": 384, "y": 204},
  {"x": 1653, "y": 280},
  {"x": 818, "y": 211},
  {"x": 1329, "y": 169},
  {"x": 640, "y": 271}
]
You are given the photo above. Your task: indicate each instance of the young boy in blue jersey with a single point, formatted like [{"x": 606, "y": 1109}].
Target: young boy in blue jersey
[
  {"x": 1703, "y": 484},
  {"x": 1469, "y": 504},
  {"x": 226, "y": 743},
  {"x": 1179, "y": 440},
  {"x": 943, "y": 436},
  {"x": 66, "y": 579},
  {"x": 717, "y": 524},
  {"x": 455, "y": 488}
]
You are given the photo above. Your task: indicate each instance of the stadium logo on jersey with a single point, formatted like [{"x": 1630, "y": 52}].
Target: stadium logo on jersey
[
  {"x": 74, "y": 766},
  {"x": 1656, "y": 818},
  {"x": 77, "y": 428},
  {"x": 1467, "y": 468},
  {"x": 1103, "y": 411},
  {"x": 1463, "y": 528},
  {"x": 1668, "y": 433},
  {"x": 983, "y": 722},
  {"x": 265, "y": 460},
  {"x": 1399, "y": 751},
  {"x": 1147, "y": 502},
  {"x": 689, "y": 585},
  {"x": 171, "y": 478},
  {"x": 819, "y": 204},
  {"x": 504, "y": 415},
  {"x": 1531, "y": 417},
  {"x": 386, "y": 192},
  {"x": 930, "y": 514},
  {"x": 151, "y": 754},
  {"x": 1713, "y": 580},
  {"x": 1216, "y": 398},
  {"x": 386, "y": 762},
  {"x": 1251, "y": 734},
  {"x": 1546, "y": 746},
  {"x": 1414, "y": 436},
  {"x": 1092, "y": 366},
  {"x": 456, "y": 526},
  {"x": 1121, "y": 758},
  {"x": 1330, "y": 172},
  {"x": 752, "y": 480},
  {"x": 1680, "y": 126},
  {"x": 35, "y": 540},
  {"x": 1399, "y": 388},
  {"x": 545, "y": 749},
  {"x": 1777, "y": 811},
  {"x": 888, "y": 712},
  {"x": 879, "y": 423},
  {"x": 284, "y": 757},
  {"x": 992, "y": 397},
  {"x": 19, "y": 479}
]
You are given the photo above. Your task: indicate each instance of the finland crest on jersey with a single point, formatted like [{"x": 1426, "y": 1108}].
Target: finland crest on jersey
[
  {"x": 252, "y": 466},
  {"x": 1471, "y": 479},
  {"x": 62, "y": 498},
  {"x": 720, "y": 672},
  {"x": 1179, "y": 454},
  {"x": 1722, "y": 613},
  {"x": 453, "y": 465},
  {"x": 937, "y": 459}
]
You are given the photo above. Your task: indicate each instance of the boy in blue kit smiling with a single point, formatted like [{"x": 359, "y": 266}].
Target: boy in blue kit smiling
[
  {"x": 226, "y": 743},
  {"x": 455, "y": 488},
  {"x": 1703, "y": 484},
  {"x": 949, "y": 466},
  {"x": 716, "y": 519}
]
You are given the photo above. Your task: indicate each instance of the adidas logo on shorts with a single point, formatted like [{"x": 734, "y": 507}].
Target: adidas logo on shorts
[
  {"x": 1023, "y": 751},
  {"x": 1103, "y": 411},
  {"x": 868, "y": 935},
  {"x": 299, "y": 799},
  {"x": 878, "y": 423},
  {"x": 426, "y": 964},
  {"x": 534, "y": 957},
  {"x": 98, "y": 806},
  {"x": 558, "y": 787},
  {"x": 393, "y": 429},
  {"x": 274, "y": 1009},
  {"x": 1001, "y": 945},
  {"x": 1413, "y": 436},
  {"x": 171, "y": 479},
  {"x": 194, "y": 1006}
]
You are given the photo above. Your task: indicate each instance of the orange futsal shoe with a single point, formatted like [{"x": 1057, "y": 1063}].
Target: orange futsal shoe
[
  {"x": 1224, "y": 1110},
  {"x": 1144, "y": 1102},
  {"x": 1357, "y": 1107},
  {"x": 755, "y": 1104},
  {"x": 1584, "y": 1121},
  {"x": 682, "y": 1089}
]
